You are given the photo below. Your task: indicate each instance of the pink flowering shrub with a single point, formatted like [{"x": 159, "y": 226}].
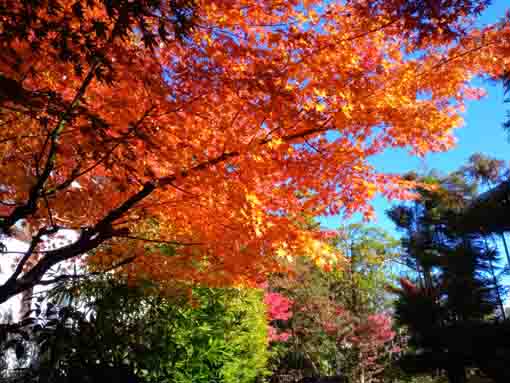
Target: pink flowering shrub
[
  {"x": 368, "y": 340},
  {"x": 372, "y": 338},
  {"x": 380, "y": 326},
  {"x": 275, "y": 336},
  {"x": 278, "y": 308},
  {"x": 376, "y": 331}
]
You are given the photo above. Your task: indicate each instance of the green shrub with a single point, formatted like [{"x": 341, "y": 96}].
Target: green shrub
[{"x": 219, "y": 336}]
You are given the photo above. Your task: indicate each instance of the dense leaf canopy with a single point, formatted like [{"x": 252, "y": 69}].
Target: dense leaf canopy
[{"x": 223, "y": 121}]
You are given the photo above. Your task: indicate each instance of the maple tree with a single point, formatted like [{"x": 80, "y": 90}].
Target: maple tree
[
  {"x": 214, "y": 126},
  {"x": 316, "y": 326}
]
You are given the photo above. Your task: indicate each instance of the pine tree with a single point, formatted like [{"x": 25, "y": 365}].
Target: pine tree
[{"x": 454, "y": 271}]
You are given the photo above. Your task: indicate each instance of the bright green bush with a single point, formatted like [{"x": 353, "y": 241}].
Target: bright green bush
[
  {"x": 222, "y": 337},
  {"x": 217, "y": 336}
]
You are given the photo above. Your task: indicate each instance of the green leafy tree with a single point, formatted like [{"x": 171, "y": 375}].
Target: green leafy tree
[{"x": 370, "y": 253}]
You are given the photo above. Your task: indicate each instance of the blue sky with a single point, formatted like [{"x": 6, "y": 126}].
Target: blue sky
[{"x": 482, "y": 132}]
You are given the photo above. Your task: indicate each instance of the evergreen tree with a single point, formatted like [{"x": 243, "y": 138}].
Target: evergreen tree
[{"x": 454, "y": 275}]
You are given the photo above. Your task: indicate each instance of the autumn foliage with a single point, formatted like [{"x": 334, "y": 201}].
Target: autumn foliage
[
  {"x": 215, "y": 126},
  {"x": 320, "y": 333}
]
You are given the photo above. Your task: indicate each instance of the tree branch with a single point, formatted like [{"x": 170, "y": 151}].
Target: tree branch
[
  {"x": 77, "y": 173},
  {"x": 30, "y": 206},
  {"x": 87, "y": 241},
  {"x": 65, "y": 277},
  {"x": 33, "y": 245}
]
